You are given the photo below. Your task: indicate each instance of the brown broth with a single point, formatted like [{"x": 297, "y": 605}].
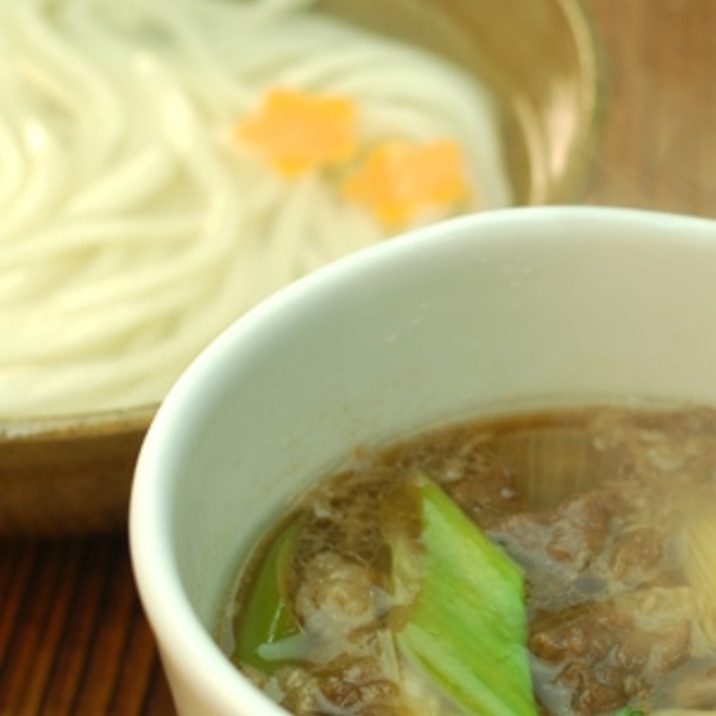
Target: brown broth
[{"x": 592, "y": 503}]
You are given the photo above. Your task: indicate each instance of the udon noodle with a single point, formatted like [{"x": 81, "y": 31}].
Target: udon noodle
[{"x": 133, "y": 225}]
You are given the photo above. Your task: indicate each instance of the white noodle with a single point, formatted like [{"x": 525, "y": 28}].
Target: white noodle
[
  {"x": 134, "y": 225},
  {"x": 13, "y": 171},
  {"x": 45, "y": 181},
  {"x": 137, "y": 180}
]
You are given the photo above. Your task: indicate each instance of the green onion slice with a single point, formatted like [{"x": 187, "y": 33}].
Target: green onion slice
[
  {"x": 268, "y": 622},
  {"x": 467, "y": 630}
]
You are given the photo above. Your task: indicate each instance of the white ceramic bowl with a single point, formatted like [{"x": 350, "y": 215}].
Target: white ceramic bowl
[{"x": 505, "y": 309}]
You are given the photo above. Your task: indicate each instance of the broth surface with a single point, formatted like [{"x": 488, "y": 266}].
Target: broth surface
[{"x": 597, "y": 505}]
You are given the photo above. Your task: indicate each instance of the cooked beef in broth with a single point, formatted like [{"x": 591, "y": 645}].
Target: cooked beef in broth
[{"x": 608, "y": 512}]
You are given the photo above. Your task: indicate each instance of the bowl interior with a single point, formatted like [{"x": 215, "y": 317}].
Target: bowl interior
[
  {"x": 508, "y": 310},
  {"x": 542, "y": 60}
]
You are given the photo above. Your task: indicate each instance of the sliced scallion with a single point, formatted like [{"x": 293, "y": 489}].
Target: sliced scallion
[
  {"x": 467, "y": 630},
  {"x": 268, "y": 620}
]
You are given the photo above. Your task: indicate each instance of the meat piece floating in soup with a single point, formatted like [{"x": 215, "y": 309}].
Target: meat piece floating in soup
[{"x": 561, "y": 562}]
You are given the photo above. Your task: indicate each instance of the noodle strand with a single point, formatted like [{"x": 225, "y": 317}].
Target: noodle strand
[{"x": 135, "y": 225}]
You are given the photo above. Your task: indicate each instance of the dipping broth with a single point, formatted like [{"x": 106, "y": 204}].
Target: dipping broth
[{"x": 609, "y": 516}]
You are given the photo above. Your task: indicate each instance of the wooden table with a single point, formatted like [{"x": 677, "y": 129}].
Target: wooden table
[{"x": 73, "y": 639}]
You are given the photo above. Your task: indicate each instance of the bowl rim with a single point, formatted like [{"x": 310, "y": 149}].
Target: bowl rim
[
  {"x": 183, "y": 641},
  {"x": 77, "y": 426},
  {"x": 592, "y": 59}
]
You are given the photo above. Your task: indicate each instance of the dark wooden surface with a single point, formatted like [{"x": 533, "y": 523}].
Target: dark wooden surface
[{"x": 73, "y": 639}]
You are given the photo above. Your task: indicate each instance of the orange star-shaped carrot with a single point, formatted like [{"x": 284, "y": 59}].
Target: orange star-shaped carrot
[
  {"x": 400, "y": 180},
  {"x": 298, "y": 132}
]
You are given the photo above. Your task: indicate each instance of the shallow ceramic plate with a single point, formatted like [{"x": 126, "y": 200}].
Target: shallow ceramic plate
[{"x": 72, "y": 474}]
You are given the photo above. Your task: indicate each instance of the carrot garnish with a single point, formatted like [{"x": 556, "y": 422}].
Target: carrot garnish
[
  {"x": 399, "y": 180},
  {"x": 298, "y": 132}
]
